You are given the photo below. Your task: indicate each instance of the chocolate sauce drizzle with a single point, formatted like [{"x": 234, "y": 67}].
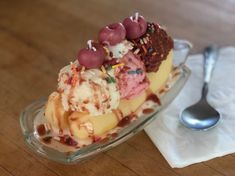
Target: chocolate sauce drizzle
[
  {"x": 148, "y": 111},
  {"x": 153, "y": 97},
  {"x": 126, "y": 120},
  {"x": 67, "y": 140},
  {"x": 41, "y": 130}
]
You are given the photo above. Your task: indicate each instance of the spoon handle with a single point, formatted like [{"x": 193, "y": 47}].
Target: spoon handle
[{"x": 210, "y": 57}]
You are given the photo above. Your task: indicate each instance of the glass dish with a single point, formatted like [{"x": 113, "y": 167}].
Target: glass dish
[{"x": 181, "y": 49}]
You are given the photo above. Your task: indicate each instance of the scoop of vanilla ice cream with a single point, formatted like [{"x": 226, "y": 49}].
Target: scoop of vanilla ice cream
[{"x": 91, "y": 93}]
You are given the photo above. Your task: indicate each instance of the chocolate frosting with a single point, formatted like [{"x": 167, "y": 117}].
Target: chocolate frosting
[{"x": 153, "y": 47}]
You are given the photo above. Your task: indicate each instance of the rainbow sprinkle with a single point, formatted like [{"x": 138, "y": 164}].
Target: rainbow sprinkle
[
  {"x": 103, "y": 69},
  {"x": 118, "y": 65},
  {"x": 137, "y": 71},
  {"x": 145, "y": 51},
  {"x": 106, "y": 49},
  {"x": 110, "y": 79}
]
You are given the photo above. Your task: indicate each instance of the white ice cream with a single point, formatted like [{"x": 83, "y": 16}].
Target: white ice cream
[{"x": 91, "y": 93}]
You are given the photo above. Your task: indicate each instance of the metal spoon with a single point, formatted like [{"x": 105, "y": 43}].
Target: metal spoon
[{"x": 202, "y": 116}]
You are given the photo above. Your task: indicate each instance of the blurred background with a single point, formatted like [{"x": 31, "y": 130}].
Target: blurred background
[{"x": 39, "y": 37}]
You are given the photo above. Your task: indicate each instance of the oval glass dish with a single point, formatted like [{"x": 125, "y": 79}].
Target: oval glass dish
[{"x": 28, "y": 115}]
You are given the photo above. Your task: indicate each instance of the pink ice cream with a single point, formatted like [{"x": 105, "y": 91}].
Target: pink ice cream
[{"x": 131, "y": 77}]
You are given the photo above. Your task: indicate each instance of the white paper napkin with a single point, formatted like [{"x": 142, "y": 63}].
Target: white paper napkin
[{"x": 181, "y": 146}]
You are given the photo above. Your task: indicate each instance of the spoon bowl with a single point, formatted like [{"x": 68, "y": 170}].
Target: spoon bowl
[{"x": 200, "y": 116}]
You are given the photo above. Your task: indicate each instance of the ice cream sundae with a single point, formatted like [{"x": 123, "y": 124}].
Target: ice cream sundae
[{"x": 102, "y": 90}]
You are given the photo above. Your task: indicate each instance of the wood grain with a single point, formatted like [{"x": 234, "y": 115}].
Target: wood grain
[
  {"x": 4, "y": 172},
  {"x": 38, "y": 37}
]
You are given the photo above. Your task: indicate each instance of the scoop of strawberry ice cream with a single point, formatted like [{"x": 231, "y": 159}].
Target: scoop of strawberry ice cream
[{"x": 131, "y": 77}]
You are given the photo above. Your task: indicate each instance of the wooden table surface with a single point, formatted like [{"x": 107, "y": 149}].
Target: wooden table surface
[{"x": 39, "y": 37}]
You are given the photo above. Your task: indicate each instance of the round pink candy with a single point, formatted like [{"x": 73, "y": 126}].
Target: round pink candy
[
  {"x": 135, "y": 28},
  {"x": 112, "y": 34},
  {"x": 91, "y": 58}
]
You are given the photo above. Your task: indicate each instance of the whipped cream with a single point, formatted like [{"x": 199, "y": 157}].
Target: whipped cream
[{"x": 120, "y": 49}]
